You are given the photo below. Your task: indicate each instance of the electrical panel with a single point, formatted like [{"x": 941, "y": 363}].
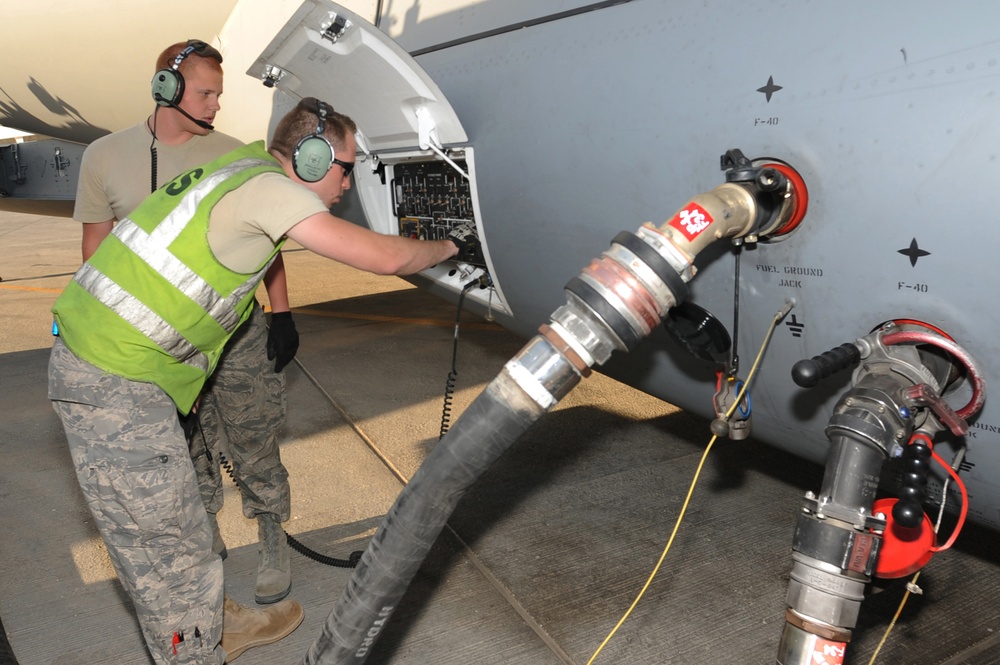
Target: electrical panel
[{"x": 429, "y": 199}]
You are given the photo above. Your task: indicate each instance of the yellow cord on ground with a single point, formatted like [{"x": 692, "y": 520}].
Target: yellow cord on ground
[
  {"x": 694, "y": 481},
  {"x": 662, "y": 556}
]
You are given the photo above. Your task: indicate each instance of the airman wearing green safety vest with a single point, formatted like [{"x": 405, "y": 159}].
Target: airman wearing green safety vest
[{"x": 141, "y": 328}]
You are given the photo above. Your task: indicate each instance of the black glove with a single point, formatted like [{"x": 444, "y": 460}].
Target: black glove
[
  {"x": 282, "y": 340},
  {"x": 464, "y": 236}
]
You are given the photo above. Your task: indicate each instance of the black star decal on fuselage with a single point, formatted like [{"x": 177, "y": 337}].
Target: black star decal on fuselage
[
  {"x": 770, "y": 88},
  {"x": 914, "y": 252}
]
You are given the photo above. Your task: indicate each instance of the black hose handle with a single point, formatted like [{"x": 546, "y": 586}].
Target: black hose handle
[
  {"x": 908, "y": 512},
  {"x": 807, "y": 373}
]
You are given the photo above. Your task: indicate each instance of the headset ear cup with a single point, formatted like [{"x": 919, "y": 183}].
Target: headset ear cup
[
  {"x": 312, "y": 158},
  {"x": 167, "y": 87}
]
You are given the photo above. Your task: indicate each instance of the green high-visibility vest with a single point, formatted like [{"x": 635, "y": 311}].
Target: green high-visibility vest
[{"x": 152, "y": 303}]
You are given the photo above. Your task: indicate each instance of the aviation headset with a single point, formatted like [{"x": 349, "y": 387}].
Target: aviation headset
[
  {"x": 314, "y": 154},
  {"x": 168, "y": 84}
]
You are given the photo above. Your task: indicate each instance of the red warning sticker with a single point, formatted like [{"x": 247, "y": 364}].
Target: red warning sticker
[
  {"x": 826, "y": 652},
  {"x": 691, "y": 221}
]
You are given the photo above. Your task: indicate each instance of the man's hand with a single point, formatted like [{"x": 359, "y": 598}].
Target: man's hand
[
  {"x": 464, "y": 236},
  {"x": 282, "y": 340}
]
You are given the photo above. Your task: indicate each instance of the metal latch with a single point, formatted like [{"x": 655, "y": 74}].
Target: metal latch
[
  {"x": 271, "y": 75},
  {"x": 334, "y": 27},
  {"x": 19, "y": 171},
  {"x": 61, "y": 162}
]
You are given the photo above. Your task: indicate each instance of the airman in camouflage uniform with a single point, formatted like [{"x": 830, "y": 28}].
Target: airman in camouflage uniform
[{"x": 142, "y": 327}]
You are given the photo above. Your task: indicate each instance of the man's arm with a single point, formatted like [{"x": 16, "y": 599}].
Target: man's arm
[
  {"x": 282, "y": 337},
  {"x": 92, "y": 205},
  {"x": 276, "y": 284},
  {"x": 93, "y": 234},
  {"x": 364, "y": 249}
]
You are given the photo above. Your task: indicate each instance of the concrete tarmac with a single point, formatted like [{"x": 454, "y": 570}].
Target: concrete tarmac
[{"x": 541, "y": 559}]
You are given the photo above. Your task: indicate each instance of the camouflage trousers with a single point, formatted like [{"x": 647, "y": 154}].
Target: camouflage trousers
[
  {"x": 135, "y": 470},
  {"x": 240, "y": 412}
]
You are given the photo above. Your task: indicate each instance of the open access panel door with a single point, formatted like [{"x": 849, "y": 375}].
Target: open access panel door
[{"x": 416, "y": 172}]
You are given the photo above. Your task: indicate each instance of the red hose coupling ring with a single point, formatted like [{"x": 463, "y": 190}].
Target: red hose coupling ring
[{"x": 800, "y": 197}]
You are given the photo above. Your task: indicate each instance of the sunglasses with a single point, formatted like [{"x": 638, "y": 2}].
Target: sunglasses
[{"x": 347, "y": 166}]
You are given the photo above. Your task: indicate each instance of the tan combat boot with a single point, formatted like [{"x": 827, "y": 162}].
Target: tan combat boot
[
  {"x": 274, "y": 570},
  {"x": 244, "y": 628}
]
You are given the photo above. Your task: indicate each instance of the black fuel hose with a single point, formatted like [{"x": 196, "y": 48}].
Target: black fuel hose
[{"x": 488, "y": 427}]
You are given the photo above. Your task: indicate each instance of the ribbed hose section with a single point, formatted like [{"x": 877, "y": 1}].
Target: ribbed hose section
[{"x": 490, "y": 425}]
